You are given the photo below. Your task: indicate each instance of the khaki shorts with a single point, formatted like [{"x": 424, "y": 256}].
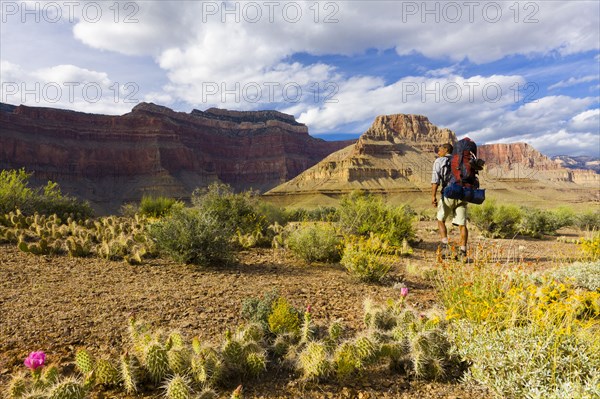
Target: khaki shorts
[{"x": 456, "y": 209}]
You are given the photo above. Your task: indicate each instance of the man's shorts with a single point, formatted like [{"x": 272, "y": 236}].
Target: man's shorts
[{"x": 456, "y": 209}]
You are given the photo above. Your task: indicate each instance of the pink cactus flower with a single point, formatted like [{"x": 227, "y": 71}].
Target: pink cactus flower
[
  {"x": 404, "y": 292},
  {"x": 35, "y": 360},
  {"x": 308, "y": 309}
]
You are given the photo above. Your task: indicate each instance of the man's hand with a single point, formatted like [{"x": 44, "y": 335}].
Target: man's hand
[{"x": 434, "y": 202}]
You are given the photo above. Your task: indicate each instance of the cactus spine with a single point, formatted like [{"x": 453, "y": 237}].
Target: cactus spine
[
  {"x": 17, "y": 386},
  {"x": 313, "y": 361}
]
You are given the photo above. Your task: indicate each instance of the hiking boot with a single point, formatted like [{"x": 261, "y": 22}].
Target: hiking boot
[
  {"x": 443, "y": 251},
  {"x": 462, "y": 257}
]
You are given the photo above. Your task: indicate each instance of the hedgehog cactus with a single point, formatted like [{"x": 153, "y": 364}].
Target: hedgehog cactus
[
  {"x": 179, "y": 360},
  {"x": 106, "y": 373},
  {"x": 67, "y": 389},
  {"x": 256, "y": 364},
  {"x": 17, "y": 386},
  {"x": 207, "y": 393},
  {"x": 129, "y": 369},
  {"x": 307, "y": 330},
  {"x": 177, "y": 388},
  {"x": 313, "y": 361},
  {"x": 50, "y": 375},
  {"x": 207, "y": 367},
  {"x": 157, "y": 362}
]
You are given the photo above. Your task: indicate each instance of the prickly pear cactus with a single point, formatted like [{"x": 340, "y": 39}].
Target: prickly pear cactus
[
  {"x": 177, "y": 388},
  {"x": 157, "y": 362},
  {"x": 84, "y": 361},
  {"x": 67, "y": 389},
  {"x": 345, "y": 361},
  {"x": 174, "y": 340},
  {"x": 366, "y": 350}
]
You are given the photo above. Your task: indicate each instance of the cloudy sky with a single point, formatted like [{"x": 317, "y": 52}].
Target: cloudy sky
[{"x": 503, "y": 71}]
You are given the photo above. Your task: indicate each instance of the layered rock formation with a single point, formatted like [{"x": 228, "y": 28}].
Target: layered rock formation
[
  {"x": 153, "y": 149},
  {"x": 521, "y": 161},
  {"x": 396, "y": 154}
]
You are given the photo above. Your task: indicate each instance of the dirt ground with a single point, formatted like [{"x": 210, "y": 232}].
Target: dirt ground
[{"x": 59, "y": 304}]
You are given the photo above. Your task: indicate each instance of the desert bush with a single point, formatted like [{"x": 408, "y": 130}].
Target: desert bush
[
  {"x": 588, "y": 221},
  {"x": 537, "y": 222},
  {"x": 258, "y": 309},
  {"x": 315, "y": 242},
  {"x": 529, "y": 362},
  {"x": 541, "y": 320},
  {"x": 192, "y": 236},
  {"x": 361, "y": 214},
  {"x": 318, "y": 214},
  {"x": 496, "y": 221},
  {"x": 15, "y": 193},
  {"x": 244, "y": 213},
  {"x": 157, "y": 207},
  {"x": 284, "y": 318},
  {"x": 363, "y": 258},
  {"x": 582, "y": 274}
]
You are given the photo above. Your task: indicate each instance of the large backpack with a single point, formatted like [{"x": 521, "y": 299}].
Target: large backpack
[{"x": 464, "y": 166}]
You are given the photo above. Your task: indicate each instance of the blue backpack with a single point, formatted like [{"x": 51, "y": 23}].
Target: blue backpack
[{"x": 463, "y": 168}]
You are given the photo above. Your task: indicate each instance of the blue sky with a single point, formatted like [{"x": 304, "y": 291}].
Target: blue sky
[{"x": 515, "y": 71}]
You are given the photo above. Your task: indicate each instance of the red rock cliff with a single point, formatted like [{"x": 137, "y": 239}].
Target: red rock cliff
[{"x": 111, "y": 159}]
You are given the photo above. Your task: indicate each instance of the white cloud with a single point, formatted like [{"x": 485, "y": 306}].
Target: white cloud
[
  {"x": 573, "y": 81},
  {"x": 65, "y": 86}
]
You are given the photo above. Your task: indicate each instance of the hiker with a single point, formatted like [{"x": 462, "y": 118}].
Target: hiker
[{"x": 457, "y": 209}]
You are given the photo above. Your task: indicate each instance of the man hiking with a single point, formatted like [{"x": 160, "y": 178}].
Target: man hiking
[{"x": 456, "y": 209}]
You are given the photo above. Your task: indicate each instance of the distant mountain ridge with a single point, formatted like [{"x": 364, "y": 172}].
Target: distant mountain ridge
[
  {"x": 153, "y": 149},
  {"x": 578, "y": 162}
]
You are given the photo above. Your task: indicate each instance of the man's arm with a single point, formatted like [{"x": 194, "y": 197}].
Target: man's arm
[{"x": 434, "y": 187}]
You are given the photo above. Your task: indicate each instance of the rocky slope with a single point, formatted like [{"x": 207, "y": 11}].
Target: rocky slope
[
  {"x": 396, "y": 153},
  {"x": 580, "y": 162},
  {"x": 153, "y": 149}
]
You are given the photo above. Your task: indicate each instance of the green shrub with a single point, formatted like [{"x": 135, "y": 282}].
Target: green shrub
[
  {"x": 235, "y": 211},
  {"x": 496, "y": 221},
  {"x": 363, "y": 258},
  {"x": 318, "y": 214},
  {"x": 15, "y": 193},
  {"x": 361, "y": 214},
  {"x": 315, "y": 242},
  {"x": 589, "y": 220},
  {"x": 157, "y": 206},
  {"x": 243, "y": 213},
  {"x": 537, "y": 222},
  {"x": 257, "y": 310},
  {"x": 284, "y": 318},
  {"x": 191, "y": 236}
]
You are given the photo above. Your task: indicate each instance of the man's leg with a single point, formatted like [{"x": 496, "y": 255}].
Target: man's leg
[{"x": 443, "y": 231}]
